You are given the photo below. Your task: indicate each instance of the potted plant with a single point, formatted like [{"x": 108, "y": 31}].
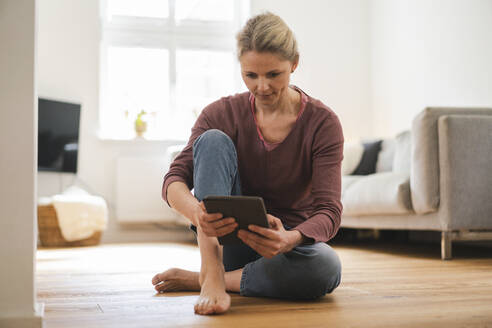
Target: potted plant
[{"x": 140, "y": 124}]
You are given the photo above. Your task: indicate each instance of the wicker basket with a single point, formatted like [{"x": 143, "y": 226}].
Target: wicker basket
[{"x": 50, "y": 234}]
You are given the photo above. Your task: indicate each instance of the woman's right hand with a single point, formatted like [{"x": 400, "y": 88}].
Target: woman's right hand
[{"x": 213, "y": 225}]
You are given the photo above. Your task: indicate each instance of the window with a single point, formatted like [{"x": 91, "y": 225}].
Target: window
[{"x": 169, "y": 58}]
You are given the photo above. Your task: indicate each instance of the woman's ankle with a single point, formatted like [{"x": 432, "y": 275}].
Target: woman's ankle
[{"x": 211, "y": 272}]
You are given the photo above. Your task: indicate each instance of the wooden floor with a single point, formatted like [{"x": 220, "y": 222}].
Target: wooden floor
[{"x": 383, "y": 285}]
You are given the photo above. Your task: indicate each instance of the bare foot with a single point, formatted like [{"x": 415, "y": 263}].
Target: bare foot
[
  {"x": 213, "y": 298},
  {"x": 175, "y": 279}
]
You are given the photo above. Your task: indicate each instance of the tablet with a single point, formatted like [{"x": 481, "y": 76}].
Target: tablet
[{"x": 245, "y": 209}]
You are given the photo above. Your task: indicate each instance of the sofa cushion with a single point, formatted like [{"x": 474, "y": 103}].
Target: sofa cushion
[
  {"x": 352, "y": 154},
  {"x": 348, "y": 180},
  {"x": 367, "y": 164},
  {"x": 379, "y": 193}
]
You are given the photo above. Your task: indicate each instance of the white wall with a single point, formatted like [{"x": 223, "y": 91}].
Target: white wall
[
  {"x": 68, "y": 58},
  {"x": 18, "y": 131},
  {"x": 428, "y": 53},
  {"x": 68, "y": 69},
  {"x": 333, "y": 39}
]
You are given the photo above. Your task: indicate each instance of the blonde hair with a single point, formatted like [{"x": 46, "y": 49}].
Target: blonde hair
[{"x": 267, "y": 33}]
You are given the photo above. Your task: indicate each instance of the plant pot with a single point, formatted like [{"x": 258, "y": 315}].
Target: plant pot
[{"x": 140, "y": 128}]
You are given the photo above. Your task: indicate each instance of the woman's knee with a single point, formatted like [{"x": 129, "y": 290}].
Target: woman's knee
[
  {"x": 322, "y": 270},
  {"x": 213, "y": 138},
  {"x": 215, "y": 145},
  {"x": 331, "y": 268}
]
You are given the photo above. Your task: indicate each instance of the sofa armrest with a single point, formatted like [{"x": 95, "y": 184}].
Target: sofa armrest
[
  {"x": 424, "y": 176},
  {"x": 465, "y": 164}
]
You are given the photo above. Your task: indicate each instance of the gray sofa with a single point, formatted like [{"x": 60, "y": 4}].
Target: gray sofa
[{"x": 441, "y": 179}]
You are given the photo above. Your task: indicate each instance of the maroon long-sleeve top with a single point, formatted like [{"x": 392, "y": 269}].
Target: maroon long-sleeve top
[{"x": 298, "y": 178}]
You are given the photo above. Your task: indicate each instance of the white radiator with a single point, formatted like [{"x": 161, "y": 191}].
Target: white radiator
[{"x": 138, "y": 191}]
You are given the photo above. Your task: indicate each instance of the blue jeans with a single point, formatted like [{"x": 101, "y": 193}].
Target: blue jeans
[{"x": 306, "y": 272}]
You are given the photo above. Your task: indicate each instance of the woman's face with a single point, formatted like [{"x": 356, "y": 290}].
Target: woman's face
[{"x": 266, "y": 76}]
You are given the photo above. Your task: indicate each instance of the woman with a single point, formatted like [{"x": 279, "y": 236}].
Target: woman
[{"x": 275, "y": 142}]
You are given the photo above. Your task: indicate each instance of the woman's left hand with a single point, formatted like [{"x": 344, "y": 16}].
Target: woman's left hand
[{"x": 269, "y": 242}]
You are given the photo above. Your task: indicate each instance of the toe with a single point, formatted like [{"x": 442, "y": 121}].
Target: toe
[
  {"x": 167, "y": 286},
  {"x": 156, "y": 279},
  {"x": 205, "y": 307},
  {"x": 160, "y": 287},
  {"x": 201, "y": 307},
  {"x": 209, "y": 307},
  {"x": 198, "y": 306},
  {"x": 165, "y": 275}
]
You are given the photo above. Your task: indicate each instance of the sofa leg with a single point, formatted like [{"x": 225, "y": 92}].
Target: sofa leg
[{"x": 446, "y": 247}]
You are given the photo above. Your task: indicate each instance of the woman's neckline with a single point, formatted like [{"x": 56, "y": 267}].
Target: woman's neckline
[{"x": 272, "y": 145}]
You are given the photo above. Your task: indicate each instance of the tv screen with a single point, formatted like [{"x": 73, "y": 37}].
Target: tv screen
[{"x": 58, "y": 135}]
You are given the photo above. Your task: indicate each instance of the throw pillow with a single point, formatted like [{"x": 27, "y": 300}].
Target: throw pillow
[
  {"x": 352, "y": 154},
  {"x": 386, "y": 156},
  {"x": 367, "y": 164},
  {"x": 403, "y": 152}
]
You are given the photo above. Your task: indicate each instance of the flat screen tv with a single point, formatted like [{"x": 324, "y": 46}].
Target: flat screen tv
[{"x": 58, "y": 135}]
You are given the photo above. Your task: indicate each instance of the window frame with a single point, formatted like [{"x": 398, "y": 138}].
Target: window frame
[{"x": 165, "y": 33}]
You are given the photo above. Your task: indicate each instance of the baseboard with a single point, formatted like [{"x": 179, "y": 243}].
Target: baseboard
[
  {"x": 130, "y": 233},
  {"x": 145, "y": 232},
  {"x": 34, "y": 321}
]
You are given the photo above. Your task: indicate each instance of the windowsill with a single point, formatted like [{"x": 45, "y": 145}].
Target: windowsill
[{"x": 136, "y": 139}]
